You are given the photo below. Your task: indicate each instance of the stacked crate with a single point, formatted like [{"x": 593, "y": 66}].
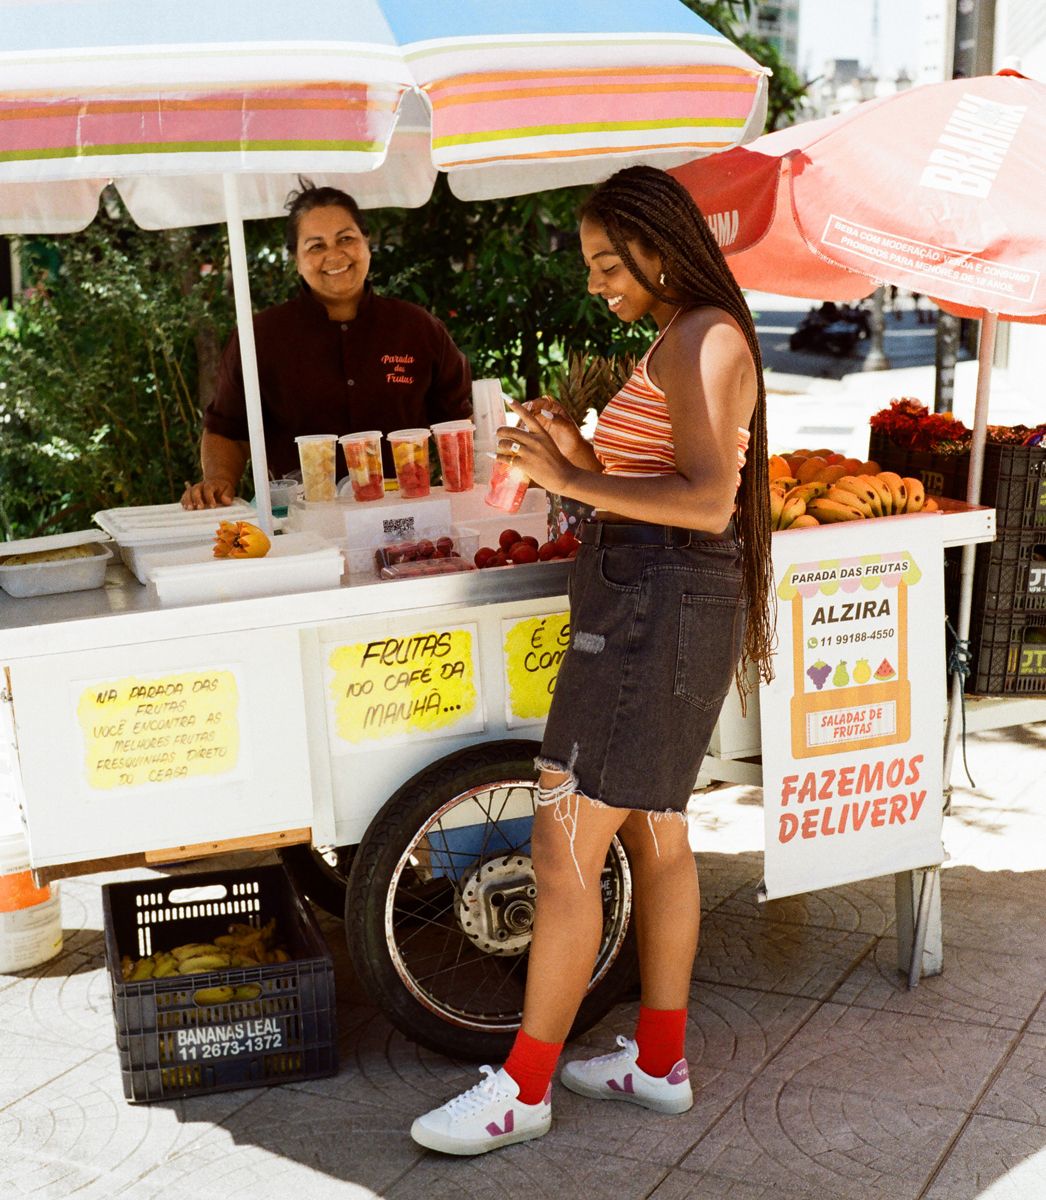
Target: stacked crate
[{"x": 1008, "y": 617}]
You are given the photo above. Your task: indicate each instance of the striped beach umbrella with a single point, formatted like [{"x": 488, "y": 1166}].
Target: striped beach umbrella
[
  {"x": 201, "y": 111},
  {"x": 506, "y": 96}
]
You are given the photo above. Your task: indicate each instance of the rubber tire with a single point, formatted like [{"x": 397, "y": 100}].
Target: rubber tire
[
  {"x": 376, "y": 857},
  {"x": 323, "y": 884}
]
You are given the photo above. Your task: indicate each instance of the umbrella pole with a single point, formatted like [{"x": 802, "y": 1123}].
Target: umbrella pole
[
  {"x": 241, "y": 287},
  {"x": 985, "y": 354}
]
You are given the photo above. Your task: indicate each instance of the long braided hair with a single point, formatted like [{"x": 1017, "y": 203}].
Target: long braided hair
[{"x": 646, "y": 205}]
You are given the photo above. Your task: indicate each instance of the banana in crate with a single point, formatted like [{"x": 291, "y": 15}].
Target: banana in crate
[{"x": 242, "y": 946}]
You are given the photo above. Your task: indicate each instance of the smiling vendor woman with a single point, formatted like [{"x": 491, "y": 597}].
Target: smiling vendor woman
[{"x": 336, "y": 359}]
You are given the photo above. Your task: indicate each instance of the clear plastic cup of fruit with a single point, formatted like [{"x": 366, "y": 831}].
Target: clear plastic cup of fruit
[
  {"x": 508, "y": 487},
  {"x": 455, "y": 444},
  {"x": 317, "y": 452},
  {"x": 410, "y": 453},
  {"x": 363, "y": 458}
]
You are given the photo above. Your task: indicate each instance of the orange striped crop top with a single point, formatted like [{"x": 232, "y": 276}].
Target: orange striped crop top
[{"x": 634, "y": 433}]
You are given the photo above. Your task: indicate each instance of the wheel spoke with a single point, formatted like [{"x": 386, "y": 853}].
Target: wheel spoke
[{"x": 451, "y": 972}]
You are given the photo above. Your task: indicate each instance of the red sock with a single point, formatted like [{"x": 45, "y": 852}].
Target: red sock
[
  {"x": 531, "y": 1063},
  {"x": 660, "y": 1036}
]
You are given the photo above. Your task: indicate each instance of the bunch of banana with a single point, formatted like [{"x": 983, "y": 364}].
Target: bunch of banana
[
  {"x": 788, "y": 501},
  {"x": 857, "y": 497},
  {"x": 243, "y": 946}
]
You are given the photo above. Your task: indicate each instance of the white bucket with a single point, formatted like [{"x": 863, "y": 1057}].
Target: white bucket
[{"x": 30, "y": 917}]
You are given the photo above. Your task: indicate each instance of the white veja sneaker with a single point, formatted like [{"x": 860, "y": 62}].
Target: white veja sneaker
[
  {"x": 617, "y": 1077},
  {"x": 485, "y": 1117}
]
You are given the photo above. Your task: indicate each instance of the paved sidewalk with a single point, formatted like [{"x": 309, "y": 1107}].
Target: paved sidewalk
[{"x": 819, "y": 1075}]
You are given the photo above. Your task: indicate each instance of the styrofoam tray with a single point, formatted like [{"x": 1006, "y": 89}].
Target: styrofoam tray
[
  {"x": 297, "y": 562},
  {"x": 65, "y": 575},
  {"x": 140, "y": 529}
]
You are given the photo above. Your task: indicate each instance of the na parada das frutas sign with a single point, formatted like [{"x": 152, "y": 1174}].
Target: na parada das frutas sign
[{"x": 852, "y": 776}]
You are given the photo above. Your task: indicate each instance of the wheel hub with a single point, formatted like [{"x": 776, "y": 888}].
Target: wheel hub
[{"x": 495, "y": 907}]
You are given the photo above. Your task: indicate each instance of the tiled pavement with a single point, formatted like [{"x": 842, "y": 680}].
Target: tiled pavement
[{"x": 819, "y": 1075}]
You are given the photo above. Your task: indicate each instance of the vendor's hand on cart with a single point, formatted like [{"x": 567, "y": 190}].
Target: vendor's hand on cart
[
  {"x": 209, "y": 493},
  {"x": 530, "y": 446}
]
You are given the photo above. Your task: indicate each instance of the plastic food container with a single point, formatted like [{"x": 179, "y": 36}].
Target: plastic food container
[
  {"x": 456, "y": 545},
  {"x": 282, "y": 493},
  {"x": 410, "y": 453},
  {"x": 140, "y": 530},
  {"x": 297, "y": 562},
  {"x": 45, "y": 578},
  {"x": 455, "y": 444},
  {"x": 363, "y": 459},
  {"x": 30, "y": 917},
  {"x": 317, "y": 452},
  {"x": 508, "y": 487}
]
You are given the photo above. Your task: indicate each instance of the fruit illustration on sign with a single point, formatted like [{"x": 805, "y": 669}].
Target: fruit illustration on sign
[
  {"x": 818, "y": 673},
  {"x": 862, "y": 671},
  {"x": 885, "y": 670},
  {"x": 841, "y": 676}
]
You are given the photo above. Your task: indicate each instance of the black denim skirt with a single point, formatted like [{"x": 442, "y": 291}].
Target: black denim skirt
[{"x": 655, "y": 637}]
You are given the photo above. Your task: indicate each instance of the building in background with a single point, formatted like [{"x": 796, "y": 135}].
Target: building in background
[
  {"x": 1020, "y": 32},
  {"x": 936, "y": 41},
  {"x": 1020, "y": 42},
  {"x": 845, "y": 82},
  {"x": 778, "y": 24}
]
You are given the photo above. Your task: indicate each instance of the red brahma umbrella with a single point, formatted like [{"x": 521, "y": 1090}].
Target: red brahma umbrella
[{"x": 938, "y": 189}]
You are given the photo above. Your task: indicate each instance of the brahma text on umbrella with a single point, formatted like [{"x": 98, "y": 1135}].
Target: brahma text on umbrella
[{"x": 970, "y": 151}]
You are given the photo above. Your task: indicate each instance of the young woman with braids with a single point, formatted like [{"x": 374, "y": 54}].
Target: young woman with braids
[{"x": 669, "y": 603}]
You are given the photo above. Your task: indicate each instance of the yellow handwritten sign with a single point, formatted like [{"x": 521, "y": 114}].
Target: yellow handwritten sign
[
  {"x": 149, "y": 731},
  {"x": 402, "y": 684},
  {"x": 534, "y": 648}
]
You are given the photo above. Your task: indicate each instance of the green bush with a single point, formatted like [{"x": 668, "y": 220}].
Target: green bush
[
  {"x": 108, "y": 361},
  {"x": 100, "y": 368}
]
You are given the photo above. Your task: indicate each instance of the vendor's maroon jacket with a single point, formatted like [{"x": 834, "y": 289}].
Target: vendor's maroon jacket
[{"x": 393, "y": 367}]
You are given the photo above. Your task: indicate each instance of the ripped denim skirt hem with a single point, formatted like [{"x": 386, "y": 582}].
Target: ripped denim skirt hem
[{"x": 656, "y": 634}]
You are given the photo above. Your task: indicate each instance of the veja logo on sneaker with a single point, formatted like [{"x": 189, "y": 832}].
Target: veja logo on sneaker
[
  {"x": 679, "y": 1073},
  {"x": 624, "y": 1086},
  {"x": 510, "y": 1124}
]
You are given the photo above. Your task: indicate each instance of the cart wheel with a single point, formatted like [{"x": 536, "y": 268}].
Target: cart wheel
[
  {"x": 321, "y": 872},
  {"x": 440, "y": 904}
]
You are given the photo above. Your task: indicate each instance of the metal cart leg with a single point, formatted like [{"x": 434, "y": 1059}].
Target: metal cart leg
[{"x": 919, "y": 940}]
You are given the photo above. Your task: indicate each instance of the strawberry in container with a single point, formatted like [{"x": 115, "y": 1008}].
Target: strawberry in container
[
  {"x": 426, "y": 556},
  {"x": 410, "y": 453},
  {"x": 363, "y": 459},
  {"x": 414, "y": 553}
]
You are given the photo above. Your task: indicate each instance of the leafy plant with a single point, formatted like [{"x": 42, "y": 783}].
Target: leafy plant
[
  {"x": 587, "y": 382},
  {"x": 506, "y": 276},
  {"x": 100, "y": 382}
]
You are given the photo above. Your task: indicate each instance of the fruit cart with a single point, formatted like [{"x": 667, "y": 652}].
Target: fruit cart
[
  {"x": 386, "y": 726},
  {"x": 380, "y": 736}
]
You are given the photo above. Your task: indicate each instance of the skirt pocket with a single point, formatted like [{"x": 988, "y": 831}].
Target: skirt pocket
[{"x": 711, "y": 634}]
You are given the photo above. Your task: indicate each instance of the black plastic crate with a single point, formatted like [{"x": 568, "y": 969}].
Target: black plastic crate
[
  {"x": 172, "y": 1046},
  {"x": 1009, "y": 654},
  {"x": 941, "y": 474},
  {"x": 1010, "y": 575},
  {"x": 1013, "y": 480}
]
